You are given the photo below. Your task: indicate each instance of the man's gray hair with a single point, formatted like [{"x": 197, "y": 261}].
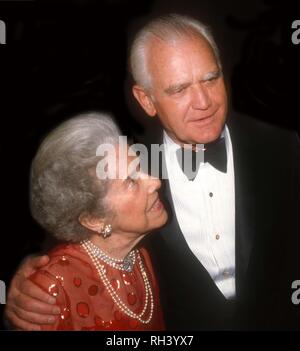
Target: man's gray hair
[
  {"x": 63, "y": 175},
  {"x": 166, "y": 28}
]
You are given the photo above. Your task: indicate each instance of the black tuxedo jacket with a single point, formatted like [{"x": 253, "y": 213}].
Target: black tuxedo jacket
[{"x": 267, "y": 193}]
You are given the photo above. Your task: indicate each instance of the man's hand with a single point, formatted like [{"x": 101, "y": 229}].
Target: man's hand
[{"x": 28, "y": 306}]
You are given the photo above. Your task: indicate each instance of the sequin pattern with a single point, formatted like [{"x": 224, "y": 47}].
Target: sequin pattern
[{"x": 84, "y": 302}]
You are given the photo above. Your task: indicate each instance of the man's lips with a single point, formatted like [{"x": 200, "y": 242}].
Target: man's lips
[{"x": 203, "y": 119}]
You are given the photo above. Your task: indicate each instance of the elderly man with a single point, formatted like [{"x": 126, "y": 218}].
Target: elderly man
[{"x": 225, "y": 260}]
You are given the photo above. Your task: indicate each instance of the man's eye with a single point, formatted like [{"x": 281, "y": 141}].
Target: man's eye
[
  {"x": 213, "y": 78},
  {"x": 178, "y": 91}
]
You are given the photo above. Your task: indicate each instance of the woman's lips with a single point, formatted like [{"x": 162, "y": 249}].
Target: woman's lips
[{"x": 157, "y": 206}]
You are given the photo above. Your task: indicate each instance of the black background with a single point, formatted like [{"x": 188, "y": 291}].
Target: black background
[{"x": 63, "y": 57}]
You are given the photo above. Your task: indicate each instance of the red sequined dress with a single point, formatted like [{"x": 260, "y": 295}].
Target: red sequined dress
[{"x": 83, "y": 298}]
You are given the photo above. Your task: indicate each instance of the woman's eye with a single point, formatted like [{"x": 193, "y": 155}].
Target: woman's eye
[{"x": 131, "y": 182}]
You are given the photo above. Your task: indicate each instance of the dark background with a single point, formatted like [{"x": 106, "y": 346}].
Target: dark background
[{"x": 64, "y": 57}]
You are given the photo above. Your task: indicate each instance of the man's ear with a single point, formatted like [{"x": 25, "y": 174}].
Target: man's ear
[
  {"x": 92, "y": 223},
  {"x": 144, "y": 100}
]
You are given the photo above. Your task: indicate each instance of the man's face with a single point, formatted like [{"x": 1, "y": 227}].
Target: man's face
[{"x": 187, "y": 90}]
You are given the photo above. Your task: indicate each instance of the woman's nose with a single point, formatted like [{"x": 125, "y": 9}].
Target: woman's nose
[{"x": 153, "y": 184}]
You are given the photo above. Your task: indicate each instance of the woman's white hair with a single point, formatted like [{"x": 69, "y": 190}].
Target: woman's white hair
[
  {"x": 167, "y": 28},
  {"x": 63, "y": 183}
]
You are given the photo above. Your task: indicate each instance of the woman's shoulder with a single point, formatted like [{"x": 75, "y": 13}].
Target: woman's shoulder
[
  {"x": 66, "y": 249},
  {"x": 68, "y": 255},
  {"x": 66, "y": 262}
]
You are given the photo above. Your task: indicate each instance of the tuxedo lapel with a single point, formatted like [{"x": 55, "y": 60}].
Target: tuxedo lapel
[
  {"x": 245, "y": 205},
  {"x": 176, "y": 240}
]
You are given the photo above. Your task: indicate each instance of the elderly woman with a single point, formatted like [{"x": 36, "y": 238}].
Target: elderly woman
[{"x": 100, "y": 279}]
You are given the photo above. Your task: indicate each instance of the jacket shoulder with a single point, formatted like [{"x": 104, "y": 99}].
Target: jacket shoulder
[{"x": 246, "y": 129}]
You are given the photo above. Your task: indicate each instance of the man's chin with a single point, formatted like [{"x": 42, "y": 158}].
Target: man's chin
[
  {"x": 204, "y": 135},
  {"x": 204, "y": 139}
]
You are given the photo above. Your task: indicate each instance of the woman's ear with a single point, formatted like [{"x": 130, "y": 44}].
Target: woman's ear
[
  {"x": 90, "y": 222},
  {"x": 144, "y": 100}
]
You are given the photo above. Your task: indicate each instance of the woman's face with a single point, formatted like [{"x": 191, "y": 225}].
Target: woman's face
[{"x": 135, "y": 203}]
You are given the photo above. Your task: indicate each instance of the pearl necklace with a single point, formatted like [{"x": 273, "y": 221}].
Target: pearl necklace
[
  {"x": 123, "y": 265},
  {"x": 117, "y": 300}
]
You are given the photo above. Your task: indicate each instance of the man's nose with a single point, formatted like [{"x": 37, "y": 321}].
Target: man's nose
[{"x": 200, "y": 99}]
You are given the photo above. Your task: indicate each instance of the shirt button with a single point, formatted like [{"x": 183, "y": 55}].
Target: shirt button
[
  {"x": 226, "y": 274},
  {"x": 217, "y": 237},
  {"x": 211, "y": 194}
]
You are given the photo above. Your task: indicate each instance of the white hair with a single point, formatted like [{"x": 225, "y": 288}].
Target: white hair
[
  {"x": 166, "y": 28},
  {"x": 62, "y": 186}
]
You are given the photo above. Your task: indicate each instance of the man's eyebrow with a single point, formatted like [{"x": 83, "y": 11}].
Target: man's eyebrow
[{"x": 173, "y": 88}]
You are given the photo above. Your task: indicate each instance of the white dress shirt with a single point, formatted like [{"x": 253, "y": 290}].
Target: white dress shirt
[{"x": 205, "y": 210}]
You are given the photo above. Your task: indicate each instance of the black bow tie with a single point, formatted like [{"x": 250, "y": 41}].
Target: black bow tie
[{"x": 214, "y": 153}]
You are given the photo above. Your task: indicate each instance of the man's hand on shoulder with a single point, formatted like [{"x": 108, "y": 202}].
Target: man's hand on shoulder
[{"x": 28, "y": 306}]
